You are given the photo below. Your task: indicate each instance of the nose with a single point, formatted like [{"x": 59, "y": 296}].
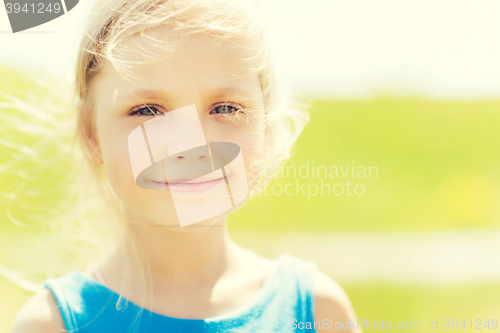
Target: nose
[
  {"x": 198, "y": 154},
  {"x": 188, "y": 164},
  {"x": 175, "y": 134}
]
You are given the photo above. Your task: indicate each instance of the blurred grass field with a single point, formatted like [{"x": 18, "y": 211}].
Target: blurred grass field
[{"x": 438, "y": 168}]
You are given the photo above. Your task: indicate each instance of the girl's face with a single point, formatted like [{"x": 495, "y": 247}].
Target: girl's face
[{"x": 197, "y": 72}]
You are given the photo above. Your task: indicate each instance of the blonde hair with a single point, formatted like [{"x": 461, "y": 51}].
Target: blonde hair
[{"x": 111, "y": 22}]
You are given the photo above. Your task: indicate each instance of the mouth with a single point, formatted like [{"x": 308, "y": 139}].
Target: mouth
[{"x": 191, "y": 186}]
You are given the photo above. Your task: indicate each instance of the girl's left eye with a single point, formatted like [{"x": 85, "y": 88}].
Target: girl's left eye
[
  {"x": 146, "y": 111},
  {"x": 225, "y": 109}
]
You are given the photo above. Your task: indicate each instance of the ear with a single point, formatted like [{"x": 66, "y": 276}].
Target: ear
[
  {"x": 93, "y": 147},
  {"x": 89, "y": 133}
]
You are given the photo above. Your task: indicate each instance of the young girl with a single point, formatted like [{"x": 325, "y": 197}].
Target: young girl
[{"x": 181, "y": 118}]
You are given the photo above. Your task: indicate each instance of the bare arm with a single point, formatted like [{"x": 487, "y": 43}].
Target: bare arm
[
  {"x": 333, "y": 306},
  {"x": 40, "y": 314}
]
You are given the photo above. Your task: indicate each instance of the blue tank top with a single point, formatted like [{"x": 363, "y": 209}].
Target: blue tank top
[{"x": 285, "y": 299}]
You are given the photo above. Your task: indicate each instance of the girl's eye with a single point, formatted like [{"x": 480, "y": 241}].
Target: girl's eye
[
  {"x": 147, "y": 111},
  {"x": 225, "y": 109}
]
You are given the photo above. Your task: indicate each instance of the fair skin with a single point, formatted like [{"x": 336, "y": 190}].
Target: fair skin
[{"x": 196, "y": 271}]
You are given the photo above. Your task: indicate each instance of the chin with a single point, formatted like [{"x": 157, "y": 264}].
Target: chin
[{"x": 174, "y": 225}]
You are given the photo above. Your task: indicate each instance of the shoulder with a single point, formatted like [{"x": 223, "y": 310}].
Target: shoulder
[
  {"x": 331, "y": 303},
  {"x": 40, "y": 314}
]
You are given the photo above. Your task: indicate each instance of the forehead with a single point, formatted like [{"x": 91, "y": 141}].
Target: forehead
[{"x": 159, "y": 60}]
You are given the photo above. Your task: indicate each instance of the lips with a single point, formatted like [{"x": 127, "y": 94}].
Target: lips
[{"x": 191, "y": 186}]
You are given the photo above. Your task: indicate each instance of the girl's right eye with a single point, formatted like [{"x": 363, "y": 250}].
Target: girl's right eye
[{"x": 146, "y": 111}]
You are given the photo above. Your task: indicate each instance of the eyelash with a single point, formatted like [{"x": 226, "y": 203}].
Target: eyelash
[
  {"x": 238, "y": 108},
  {"x": 136, "y": 111}
]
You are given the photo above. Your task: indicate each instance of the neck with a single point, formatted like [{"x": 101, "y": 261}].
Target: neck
[{"x": 181, "y": 257}]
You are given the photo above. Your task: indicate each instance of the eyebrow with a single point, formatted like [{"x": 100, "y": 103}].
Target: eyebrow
[
  {"x": 225, "y": 91},
  {"x": 217, "y": 92},
  {"x": 155, "y": 94}
]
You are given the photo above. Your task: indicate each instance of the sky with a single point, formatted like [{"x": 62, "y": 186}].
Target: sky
[{"x": 439, "y": 49}]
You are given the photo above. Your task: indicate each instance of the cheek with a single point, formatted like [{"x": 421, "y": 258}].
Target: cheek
[
  {"x": 252, "y": 148},
  {"x": 120, "y": 173},
  {"x": 113, "y": 136},
  {"x": 114, "y": 149},
  {"x": 251, "y": 142},
  {"x": 118, "y": 168},
  {"x": 253, "y": 157},
  {"x": 153, "y": 205},
  {"x": 115, "y": 152}
]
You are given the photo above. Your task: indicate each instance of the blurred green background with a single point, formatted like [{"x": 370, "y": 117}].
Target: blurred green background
[{"x": 438, "y": 166}]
